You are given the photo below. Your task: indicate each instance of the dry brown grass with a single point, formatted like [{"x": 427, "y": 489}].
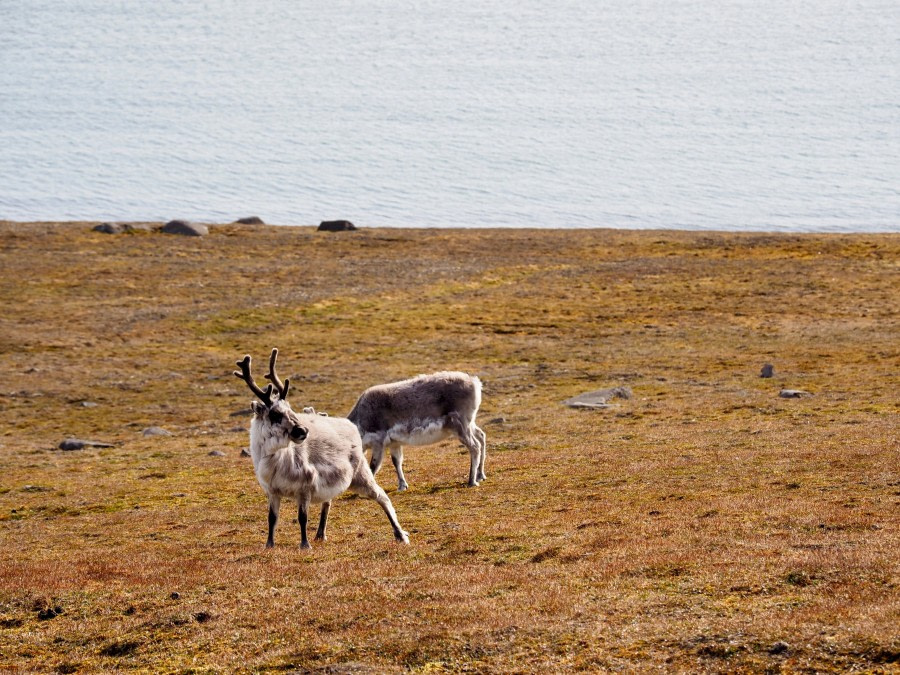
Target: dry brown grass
[{"x": 695, "y": 527}]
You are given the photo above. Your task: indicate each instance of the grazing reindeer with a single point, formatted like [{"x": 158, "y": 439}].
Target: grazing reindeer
[
  {"x": 421, "y": 411},
  {"x": 306, "y": 457}
]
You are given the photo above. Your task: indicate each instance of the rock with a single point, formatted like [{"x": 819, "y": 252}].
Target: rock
[
  {"x": 48, "y": 613},
  {"x": 767, "y": 370},
  {"x": 156, "y": 431},
  {"x": 79, "y": 444},
  {"x": 174, "y": 595},
  {"x": 237, "y": 429},
  {"x": 113, "y": 228},
  {"x": 185, "y": 228},
  {"x": 497, "y": 420},
  {"x": 336, "y": 226},
  {"x": 88, "y": 404},
  {"x": 216, "y": 453},
  {"x": 793, "y": 393},
  {"x": 250, "y": 220},
  {"x": 36, "y": 488},
  {"x": 779, "y": 648},
  {"x": 598, "y": 399},
  {"x": 243, "y": 412}
]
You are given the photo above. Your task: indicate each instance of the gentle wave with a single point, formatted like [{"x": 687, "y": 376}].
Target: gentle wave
[{"x": 737, "y": 116}]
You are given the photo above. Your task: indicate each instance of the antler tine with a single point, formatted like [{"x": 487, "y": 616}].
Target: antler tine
[
  {"x": 264, "y": 395},
  {"x": 281, "y": 387}
]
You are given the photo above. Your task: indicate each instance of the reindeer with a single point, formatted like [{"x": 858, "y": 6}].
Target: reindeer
[
  {"x": 421, "y": 411},
  {"x": 306, "y": 457}
]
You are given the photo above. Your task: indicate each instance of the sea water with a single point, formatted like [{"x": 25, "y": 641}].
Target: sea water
[{"x": 736, "y": 114}]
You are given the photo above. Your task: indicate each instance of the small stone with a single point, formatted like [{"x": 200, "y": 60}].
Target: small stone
[
  {"x": 185, "y": 228},
  {"x": 243, "y": 412},
  {"x": 156, "y": 431},
  {"x": 336, "y": 226},
  {"x": 113, "y": 228},
  {"x": 598, "y": 399},
  {"x": 49, "y": 613},
  {"x": 768, "y": 370},
  {"x": 793, "y": 393},
  {"x": 250, "y": 220},
  {"x": 497, "y": 420},
  {"x": 79, "y": 444},
  {"x": 175, "y": 595},
  {"x": 88, "y": 404},
  {"x": 779, "y": 648},
  {"x": 237, "y": 429},
  {"x": 216, "y": 453}
]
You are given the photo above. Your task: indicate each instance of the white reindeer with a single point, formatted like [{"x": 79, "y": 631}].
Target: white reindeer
[
  {"x": 421, "y": 411},
  {"x": 306, "y": 457}
]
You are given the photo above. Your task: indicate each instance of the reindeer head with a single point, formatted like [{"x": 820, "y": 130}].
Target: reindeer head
[{"x": 276, "y": 417}]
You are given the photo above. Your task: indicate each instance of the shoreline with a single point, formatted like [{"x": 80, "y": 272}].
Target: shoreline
[{"x": 210, "y": 223}]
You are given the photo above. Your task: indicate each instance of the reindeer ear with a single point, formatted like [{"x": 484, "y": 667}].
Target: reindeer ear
[{"x": 257, "y": 407}]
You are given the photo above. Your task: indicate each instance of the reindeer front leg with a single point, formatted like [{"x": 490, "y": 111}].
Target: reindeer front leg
[
  {"x": 274, "y": 504},
  {"x": 323, "y": 520},
  {"x": 302, "y": 518},
  {"x": 377, "y": 456},
  {"x": 397, "y": 459}
]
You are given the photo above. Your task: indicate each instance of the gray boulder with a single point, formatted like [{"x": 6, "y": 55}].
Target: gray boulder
[
  {"x": 793, "y": 393},
  {"x": 113, "y": 228},
  {"x": 185, "y": 228},
  {"x": 336, "y": 226},
  {"x": 598, "y": 399},
  {"x": 250, "y": 220},
  {"x": 79, "y": 444},
  {"x": 156, "y": 431}
]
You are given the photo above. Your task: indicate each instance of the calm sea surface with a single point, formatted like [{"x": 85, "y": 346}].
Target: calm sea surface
[{"x": 739, "y": 115}]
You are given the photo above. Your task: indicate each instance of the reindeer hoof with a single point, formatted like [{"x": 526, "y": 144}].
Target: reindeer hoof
[
  {"x": 305, "y": 545},
  {"x": 472, "y": 484},
  {"x": 270, "y": 544},
  {"x": 403, "y": 537},
  {"x": 402, "y": 487},
  {"x": 320, "y": 537}
]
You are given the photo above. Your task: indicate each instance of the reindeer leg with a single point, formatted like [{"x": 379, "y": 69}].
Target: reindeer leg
[
  {"x": 365, "y": 486},
  {"x": 302, "y": 517},
  {"x": 468, "y": 439},
  {"x": 482, "y": 441},
  {"x": 397, "y": 459},
  {"x": 377, "y": 456},
  {"x": 274, "y": 504},
  {"x": 323, "y": 519}
]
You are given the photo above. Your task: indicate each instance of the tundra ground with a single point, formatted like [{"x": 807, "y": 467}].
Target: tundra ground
[{"x": 705, "y": 524}]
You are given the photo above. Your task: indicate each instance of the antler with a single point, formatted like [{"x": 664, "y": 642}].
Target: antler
[
  {"x": 264, "y": 395},
  {"x": 282, "y": 387}
]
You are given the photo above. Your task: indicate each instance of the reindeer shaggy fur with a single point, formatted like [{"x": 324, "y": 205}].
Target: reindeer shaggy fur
[
  {"x": 307, "y": 458},
  {"x": 421, "y": 411}
]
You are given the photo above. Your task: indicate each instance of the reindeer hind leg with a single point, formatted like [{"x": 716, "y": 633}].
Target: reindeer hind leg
[
  {"x": 463, "y": 431},
  {"x": 482, "y": 441},
  {"x": 365, "y": 486}
]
